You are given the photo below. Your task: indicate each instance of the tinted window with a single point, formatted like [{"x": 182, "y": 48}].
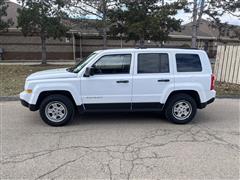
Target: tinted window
[
  {"x": 153, "y": 63},
  {"x": 188, "y": 63},
  {"x": 113, "y": 64}
]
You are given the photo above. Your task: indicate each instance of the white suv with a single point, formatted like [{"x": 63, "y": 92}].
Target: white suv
[{"x": 176, "y": 81}]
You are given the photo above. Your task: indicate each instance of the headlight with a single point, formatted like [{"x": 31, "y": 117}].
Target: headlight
[{"x": 29, "y": 91}]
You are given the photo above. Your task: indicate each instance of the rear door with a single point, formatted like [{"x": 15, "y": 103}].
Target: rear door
[{"x": 152, "y": 79}]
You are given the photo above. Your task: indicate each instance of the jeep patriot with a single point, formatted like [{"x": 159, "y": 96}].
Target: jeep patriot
[{"x": 175, "y": 81}]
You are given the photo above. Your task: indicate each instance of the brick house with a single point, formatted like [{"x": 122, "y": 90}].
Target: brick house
[{"x": 83, "y": 39}]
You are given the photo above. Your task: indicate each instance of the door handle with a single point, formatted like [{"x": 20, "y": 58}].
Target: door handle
[
  {"x": 163, "y": 80},
  {"x": 122, "y": 81}
]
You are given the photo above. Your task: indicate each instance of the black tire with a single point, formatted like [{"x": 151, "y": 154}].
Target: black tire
[
  {"x": 175, "y": 114},
  {"x": 61, "y": 101}
]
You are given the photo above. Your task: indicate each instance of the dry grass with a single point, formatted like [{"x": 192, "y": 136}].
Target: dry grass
[
  {"x": 13, "y": 78},
  {"x": 227, "y": 89}
]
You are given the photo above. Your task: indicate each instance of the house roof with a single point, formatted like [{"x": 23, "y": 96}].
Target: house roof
[
  {"x": 83, "y": 26},
  {"x": 206, "y": 30}
]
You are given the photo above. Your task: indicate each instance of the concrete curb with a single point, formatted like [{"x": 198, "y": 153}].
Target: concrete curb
[
  {"x": 9, "y": 98},
  {"x": 228, "y": 97},
  {"x": 32, "y": 62},
  {"x": 37, "y": 64},
  {"x": 16, "y": 98}
]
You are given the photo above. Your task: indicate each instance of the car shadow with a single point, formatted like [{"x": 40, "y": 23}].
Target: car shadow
[{"x": 118, "y": 118}]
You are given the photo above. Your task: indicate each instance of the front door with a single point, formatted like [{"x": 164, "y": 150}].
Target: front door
[{"x": 111, "y": 85}]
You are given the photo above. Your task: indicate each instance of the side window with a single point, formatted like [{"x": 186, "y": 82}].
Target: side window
[
  {"x": 188, "y": 63},
  {"x": 113, "y": 64},
  {"x": 153, "y": 63}
]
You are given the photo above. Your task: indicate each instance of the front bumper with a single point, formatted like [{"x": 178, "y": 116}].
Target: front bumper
[
  {"x": 30, "y": 106},
  {"x": 203, "y": 105},
  {"x": 25, "y": 99}
]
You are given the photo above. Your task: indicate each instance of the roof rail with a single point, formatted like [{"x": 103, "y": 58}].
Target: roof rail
[{"x": 166, "y": 48}]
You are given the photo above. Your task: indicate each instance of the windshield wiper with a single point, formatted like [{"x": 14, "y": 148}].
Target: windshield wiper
[{"x": 70, "y": 69}]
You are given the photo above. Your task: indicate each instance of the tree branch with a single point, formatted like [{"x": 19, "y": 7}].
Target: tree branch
[{"x": 87, "y": 11}]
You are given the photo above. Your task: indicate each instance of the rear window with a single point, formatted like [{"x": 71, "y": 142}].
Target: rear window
[
  {"x": 188, "y": 63},
  {"x": 153, "y": 63}
]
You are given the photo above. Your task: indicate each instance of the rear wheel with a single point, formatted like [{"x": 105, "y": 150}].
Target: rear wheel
[
  {"x": 180, "y": 109},
  {"x": 57, "y": 110}
]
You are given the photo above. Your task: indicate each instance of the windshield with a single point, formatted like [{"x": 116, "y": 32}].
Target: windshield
[{"x": 76, "y": 68}]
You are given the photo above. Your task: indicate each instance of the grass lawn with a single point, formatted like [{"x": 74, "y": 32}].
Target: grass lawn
[
  {"x": 227, "y": 89},
  {"x": 13, "y": 78}
]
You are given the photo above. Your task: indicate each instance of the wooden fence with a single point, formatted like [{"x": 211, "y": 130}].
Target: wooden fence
[{"x": 227, "y": 65}]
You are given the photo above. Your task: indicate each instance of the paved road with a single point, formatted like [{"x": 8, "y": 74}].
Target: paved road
[{"x": 115, "y": 146}]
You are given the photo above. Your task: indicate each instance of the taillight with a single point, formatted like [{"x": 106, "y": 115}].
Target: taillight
[{"x": 213, "y": 78}]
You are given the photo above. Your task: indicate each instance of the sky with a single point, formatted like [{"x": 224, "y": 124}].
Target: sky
[
  {"x": 230, "y": 19},
  {"x": 186, "y": 17}
]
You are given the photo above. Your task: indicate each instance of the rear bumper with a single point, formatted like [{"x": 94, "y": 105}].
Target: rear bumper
[
  {"x": 29, "y": 106},
  {"x": 203, "y": 105}
]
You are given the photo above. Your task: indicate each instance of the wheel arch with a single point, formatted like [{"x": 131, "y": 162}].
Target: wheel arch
[
  {"x": 193, "y": 93},
  {"x": 44, "y": 94}
]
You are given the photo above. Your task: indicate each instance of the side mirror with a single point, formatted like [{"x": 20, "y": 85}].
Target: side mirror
[{"x": 89, "y": 72}]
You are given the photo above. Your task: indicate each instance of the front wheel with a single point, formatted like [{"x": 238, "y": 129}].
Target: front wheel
[
  {"x": 56, "y": 110},
  {"x": 180, "y": 109}
]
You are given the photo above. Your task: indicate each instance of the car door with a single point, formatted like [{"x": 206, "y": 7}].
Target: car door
[
  {"x": 110, "y": 86},
  {"x": 152, "y": 79}
]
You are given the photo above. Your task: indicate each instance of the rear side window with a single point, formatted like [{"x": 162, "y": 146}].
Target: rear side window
[
  {"x": 153, "y": 63},
  {"x": 188, "y": 63}
]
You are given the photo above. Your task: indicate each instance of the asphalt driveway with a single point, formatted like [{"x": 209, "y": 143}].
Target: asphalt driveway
[{"x": 121, "y": 145}]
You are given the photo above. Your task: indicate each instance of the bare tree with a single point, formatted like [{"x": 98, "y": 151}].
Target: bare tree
[
  {"x": 97, "y": 8},
  {"x": 194, "y": 26},
  {"x": 214, "y": 10},
  {"x": 197, "y": 16}
]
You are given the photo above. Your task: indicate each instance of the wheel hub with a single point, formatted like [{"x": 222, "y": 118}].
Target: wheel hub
[
  {"x": 56, "y": 111},
  {"x": 182, "y": 110}
]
